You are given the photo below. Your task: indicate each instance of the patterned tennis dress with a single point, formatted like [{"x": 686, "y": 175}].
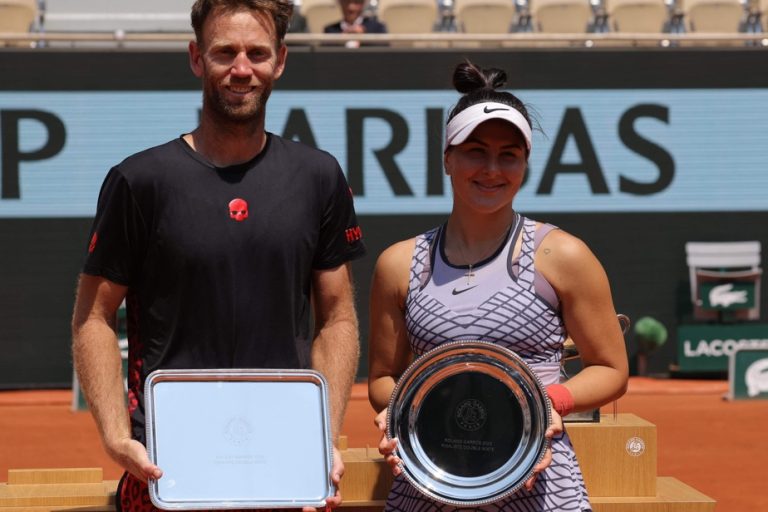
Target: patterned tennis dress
[{"x": 509, "y": 303}]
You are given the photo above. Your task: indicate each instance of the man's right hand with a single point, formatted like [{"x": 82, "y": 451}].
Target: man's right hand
[{"x": 132, "y": 455}]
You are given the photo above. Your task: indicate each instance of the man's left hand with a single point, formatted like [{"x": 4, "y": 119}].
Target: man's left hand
[{"x": 337, "y": 471}]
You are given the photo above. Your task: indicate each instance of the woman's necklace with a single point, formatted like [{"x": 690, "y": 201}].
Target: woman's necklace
[{"x": 469, "y": 275}]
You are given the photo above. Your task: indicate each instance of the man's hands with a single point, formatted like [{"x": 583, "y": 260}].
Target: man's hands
[
  {"x": 337, "y": 471},
  {"x": 132, "y": 455},
  {"x": 354, "y": 29}
]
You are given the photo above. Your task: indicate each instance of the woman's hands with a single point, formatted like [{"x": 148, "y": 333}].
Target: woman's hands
[
  {"x": 387, "y": 446},
  {"x": 555, "y": 429}
]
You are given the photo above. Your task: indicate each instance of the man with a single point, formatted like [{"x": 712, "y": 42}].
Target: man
[
  {"x": 218, "y": 241},
  {"x": 353, "y": 21}
]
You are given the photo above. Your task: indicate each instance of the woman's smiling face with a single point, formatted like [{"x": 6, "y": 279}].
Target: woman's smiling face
[{"x": 488, "y": 168}]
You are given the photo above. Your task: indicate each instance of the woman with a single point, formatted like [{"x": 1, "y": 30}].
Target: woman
[{"x": 488, "y": 273}]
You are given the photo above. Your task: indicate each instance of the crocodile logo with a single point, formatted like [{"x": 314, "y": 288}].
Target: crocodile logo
[{"x": 724, "y": 295}]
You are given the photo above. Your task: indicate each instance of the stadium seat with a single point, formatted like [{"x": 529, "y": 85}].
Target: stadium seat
[
  {"x": 319, "y": 14},
  {"x": 408, "y": 16},
  {"x": 637, "y": 16},
  {"x": 17, "y": 15},
  {"x": 484, "y": 16},
  {"x": 561, "y": 16},
  {"x": 115, "y": 15},
  {"x": 722, "y": 16},
  {"x": 723, "y": 262}
]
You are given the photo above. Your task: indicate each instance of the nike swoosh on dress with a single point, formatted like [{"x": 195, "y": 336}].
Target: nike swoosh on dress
[{"x": 456, "y": 291}]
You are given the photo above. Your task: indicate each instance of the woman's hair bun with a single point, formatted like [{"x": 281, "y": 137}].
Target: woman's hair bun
[
  {"x": 468, "y": 78},
  {"x": 478, "y": 85}
]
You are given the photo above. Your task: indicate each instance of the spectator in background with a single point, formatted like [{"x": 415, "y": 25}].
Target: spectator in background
[
  {"x": 298, "y": 24},
  {"x": 355, "y": 22}
]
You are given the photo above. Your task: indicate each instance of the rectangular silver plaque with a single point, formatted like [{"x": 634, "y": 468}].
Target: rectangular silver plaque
[{"x": 233, "y": 439}]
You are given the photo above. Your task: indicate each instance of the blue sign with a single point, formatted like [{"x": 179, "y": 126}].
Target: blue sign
[{"x": 676, "y": 150}]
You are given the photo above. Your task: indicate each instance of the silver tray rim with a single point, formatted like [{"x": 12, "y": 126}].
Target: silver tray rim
[
  {"x": 429, "y": 489},
  {"x": 235, "y": 375}
]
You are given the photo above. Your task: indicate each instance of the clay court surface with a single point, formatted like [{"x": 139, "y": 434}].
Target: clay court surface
[{"x": 719, "y": 447}]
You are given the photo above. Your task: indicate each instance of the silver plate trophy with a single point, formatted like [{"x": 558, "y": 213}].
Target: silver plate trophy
[
  {"x": 229, "y": 439},
  {"x": 470, "y": 419}
]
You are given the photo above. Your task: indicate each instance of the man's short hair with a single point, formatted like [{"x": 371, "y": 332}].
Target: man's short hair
[{"x": 280, "y": 11}]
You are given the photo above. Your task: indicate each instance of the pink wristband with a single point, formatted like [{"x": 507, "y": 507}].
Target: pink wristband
[{"x": 561, "y": 399}]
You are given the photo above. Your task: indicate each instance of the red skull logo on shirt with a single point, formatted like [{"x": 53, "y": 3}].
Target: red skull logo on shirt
[{"x": 238, "y": 209}]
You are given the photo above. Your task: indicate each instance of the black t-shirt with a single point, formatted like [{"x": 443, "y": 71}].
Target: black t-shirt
[{"x": 218, "y": 261}]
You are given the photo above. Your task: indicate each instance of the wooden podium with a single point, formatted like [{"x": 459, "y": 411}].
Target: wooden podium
[
  {"x": 617, "y": 457},
  {"x": 38, "y": 490}
]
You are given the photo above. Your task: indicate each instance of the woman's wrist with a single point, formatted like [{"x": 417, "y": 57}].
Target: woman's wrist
[{"x": 561, "y": 399}]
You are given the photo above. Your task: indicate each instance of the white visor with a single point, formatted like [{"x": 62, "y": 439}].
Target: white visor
[{"x": 465, "y": 122}]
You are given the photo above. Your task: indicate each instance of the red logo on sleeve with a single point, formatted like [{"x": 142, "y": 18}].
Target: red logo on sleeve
[
  {"x": 92, "y": 245},
  {"x": 353, "y": 234}
]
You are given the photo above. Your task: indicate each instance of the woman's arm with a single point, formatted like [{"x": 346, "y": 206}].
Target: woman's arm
[
  {"x": 590, "y": 318},
  {"x": 389, "y": 352}
]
